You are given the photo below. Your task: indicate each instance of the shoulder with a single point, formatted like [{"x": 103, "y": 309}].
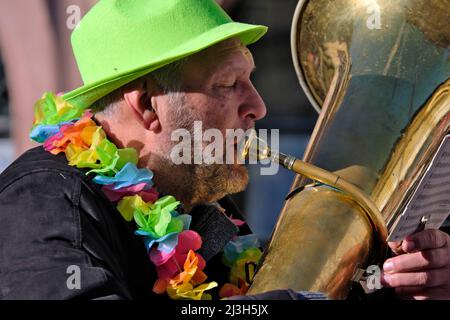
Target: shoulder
[
  {"x": 39, "y": 196},
  {"x": 40, "y": 176},
  {"x": 41, "y": 190},
  {"x": 36, "y": 161},
  {"x": 52, "y": 216}
]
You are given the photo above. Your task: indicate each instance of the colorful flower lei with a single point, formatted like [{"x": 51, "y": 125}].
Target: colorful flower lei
[{"x": 171, "y": 246}]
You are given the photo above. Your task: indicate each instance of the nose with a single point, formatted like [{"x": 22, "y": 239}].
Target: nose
[{"x": 253, "y": 107}]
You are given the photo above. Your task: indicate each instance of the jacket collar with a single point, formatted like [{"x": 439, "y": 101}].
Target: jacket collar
[{"x": 216, "y": 229}]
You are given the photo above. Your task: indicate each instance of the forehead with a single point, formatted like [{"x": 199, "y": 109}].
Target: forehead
[{"x": 228, "y": 56}]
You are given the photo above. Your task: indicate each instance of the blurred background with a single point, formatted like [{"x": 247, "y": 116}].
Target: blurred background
[{"x": 36, "y": 56}]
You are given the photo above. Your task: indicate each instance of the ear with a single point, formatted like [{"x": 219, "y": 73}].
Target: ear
[{"x": 139, "y": 97}]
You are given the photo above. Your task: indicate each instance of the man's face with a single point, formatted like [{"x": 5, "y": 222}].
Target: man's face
[
  {"x": 216, "y": 90},
  {"x": 218, "y": 87}
]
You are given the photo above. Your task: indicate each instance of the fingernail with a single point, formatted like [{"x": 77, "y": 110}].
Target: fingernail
[{"x": 388, "y": 266}]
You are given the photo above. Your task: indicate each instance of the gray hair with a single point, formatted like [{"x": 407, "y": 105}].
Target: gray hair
[{"x": 168, "y": 78}]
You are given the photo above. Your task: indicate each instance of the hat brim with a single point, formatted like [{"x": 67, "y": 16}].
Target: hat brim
[{"x": 86, "y": 95}]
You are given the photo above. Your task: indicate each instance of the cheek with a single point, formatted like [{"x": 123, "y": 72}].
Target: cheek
[
  {"x": 215, "y": 111},
  {"x": 222, "y": 113},
  {"x": 220, "y": 117}
]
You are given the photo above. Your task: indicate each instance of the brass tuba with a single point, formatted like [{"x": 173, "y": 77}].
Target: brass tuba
[{"x": 379, "y": 73}]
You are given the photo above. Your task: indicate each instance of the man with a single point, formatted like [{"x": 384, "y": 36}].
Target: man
[
  {"x": 73, "y": 241},
  {"x": 57, "y": 224}
]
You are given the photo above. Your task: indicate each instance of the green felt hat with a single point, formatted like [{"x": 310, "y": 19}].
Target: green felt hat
[{"x": 119, "y": 41}]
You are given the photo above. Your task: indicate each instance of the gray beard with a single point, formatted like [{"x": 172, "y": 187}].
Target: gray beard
[{"x": 195, "y": 184}]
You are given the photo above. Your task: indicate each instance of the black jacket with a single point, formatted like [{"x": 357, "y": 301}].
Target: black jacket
[{"x": 52, "y": 216}]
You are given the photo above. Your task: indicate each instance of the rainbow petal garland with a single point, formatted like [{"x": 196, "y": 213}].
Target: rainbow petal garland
[{"x": 64, "y": 128}]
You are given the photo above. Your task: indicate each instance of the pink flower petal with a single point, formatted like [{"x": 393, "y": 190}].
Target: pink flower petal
[
  {"x": 149, "y": 195},
  {"x": 138, "y": 189},
  {"x": 168, "y": 265},
  {"x": 188, "y": 240},
  {"x": 238, "y": 222},
  {"x": 116, "y": 195},
  {"x": 135, "y": 188},
  {"x": 160, "y": 257},
  {"x": 168, "y": 270},
  {"x": 111, "y": 195},
  {"x": 48, "y": 144}
]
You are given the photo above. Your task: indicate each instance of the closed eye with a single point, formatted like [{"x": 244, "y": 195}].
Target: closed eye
[{"x": 228, "y": 86}]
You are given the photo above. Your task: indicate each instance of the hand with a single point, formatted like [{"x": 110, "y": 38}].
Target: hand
[{"x": 422, "y": 268}]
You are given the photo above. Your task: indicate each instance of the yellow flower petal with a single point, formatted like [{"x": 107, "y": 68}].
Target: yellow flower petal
[
  {"x": 188, "y": 292},
  {"x": 127, "y": 205}
]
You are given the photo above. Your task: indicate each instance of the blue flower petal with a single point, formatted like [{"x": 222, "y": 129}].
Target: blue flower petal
[
  {"x": 149, "y": 241},
  {"x": 186, "y": 218},
  {"x": 169, "y": 244},
  {"x": 42, "y": 132},
  {"x": 129, "y": 175},
  {"x": 142, "y": 233},
  {"x": 235, "y": 247}
]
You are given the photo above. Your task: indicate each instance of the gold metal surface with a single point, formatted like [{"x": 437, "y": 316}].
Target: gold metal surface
[
  {"x": 322, "y": 260},
  {"x": 384, "y": 98},
  {"x": 412, "y": 154},
  {"x": 259, "y": 149},
  {"x": 321, "y": 29},
  {"x": 348, "y": 214}
]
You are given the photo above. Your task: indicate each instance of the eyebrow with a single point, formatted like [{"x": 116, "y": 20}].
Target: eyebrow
[{"x": 230, "y": 68}]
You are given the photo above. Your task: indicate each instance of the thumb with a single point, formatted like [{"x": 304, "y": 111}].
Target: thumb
[{"x": 396, "y": 247}]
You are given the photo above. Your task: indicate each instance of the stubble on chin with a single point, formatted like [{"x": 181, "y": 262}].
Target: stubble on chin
[
  {"x": 216, "y": 181},
  {"x": 199, "y": 184}
]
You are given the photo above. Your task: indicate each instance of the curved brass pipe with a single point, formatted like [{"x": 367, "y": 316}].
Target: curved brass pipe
[
  {"x": 257, "y": 148},
  {"x": 317, "y": 174}
]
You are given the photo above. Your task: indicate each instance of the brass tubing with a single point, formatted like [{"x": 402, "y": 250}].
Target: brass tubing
[
  {"x": 322, "y": 240},
  {"x": 328, "y": 178}
]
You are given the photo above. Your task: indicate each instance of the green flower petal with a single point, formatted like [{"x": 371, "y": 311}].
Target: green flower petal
[
  {"x": 126, "y": 155},
  {"x": 167, "y": 202},
  {"x": 175, "y": 225},
  {"x": 164, "y": 220},
  {"x": 140, "y": 219},
  {"x": 52, "y": 109}
]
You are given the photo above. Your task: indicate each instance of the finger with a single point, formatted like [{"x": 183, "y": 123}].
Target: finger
[
  {"x": 427, "y": 239},
  {"x": 427, "y": 259},
  {"x": 430, "y": 278},
  {"x": 418, "y": 293},
  {"x": 396, "y": 247}
]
